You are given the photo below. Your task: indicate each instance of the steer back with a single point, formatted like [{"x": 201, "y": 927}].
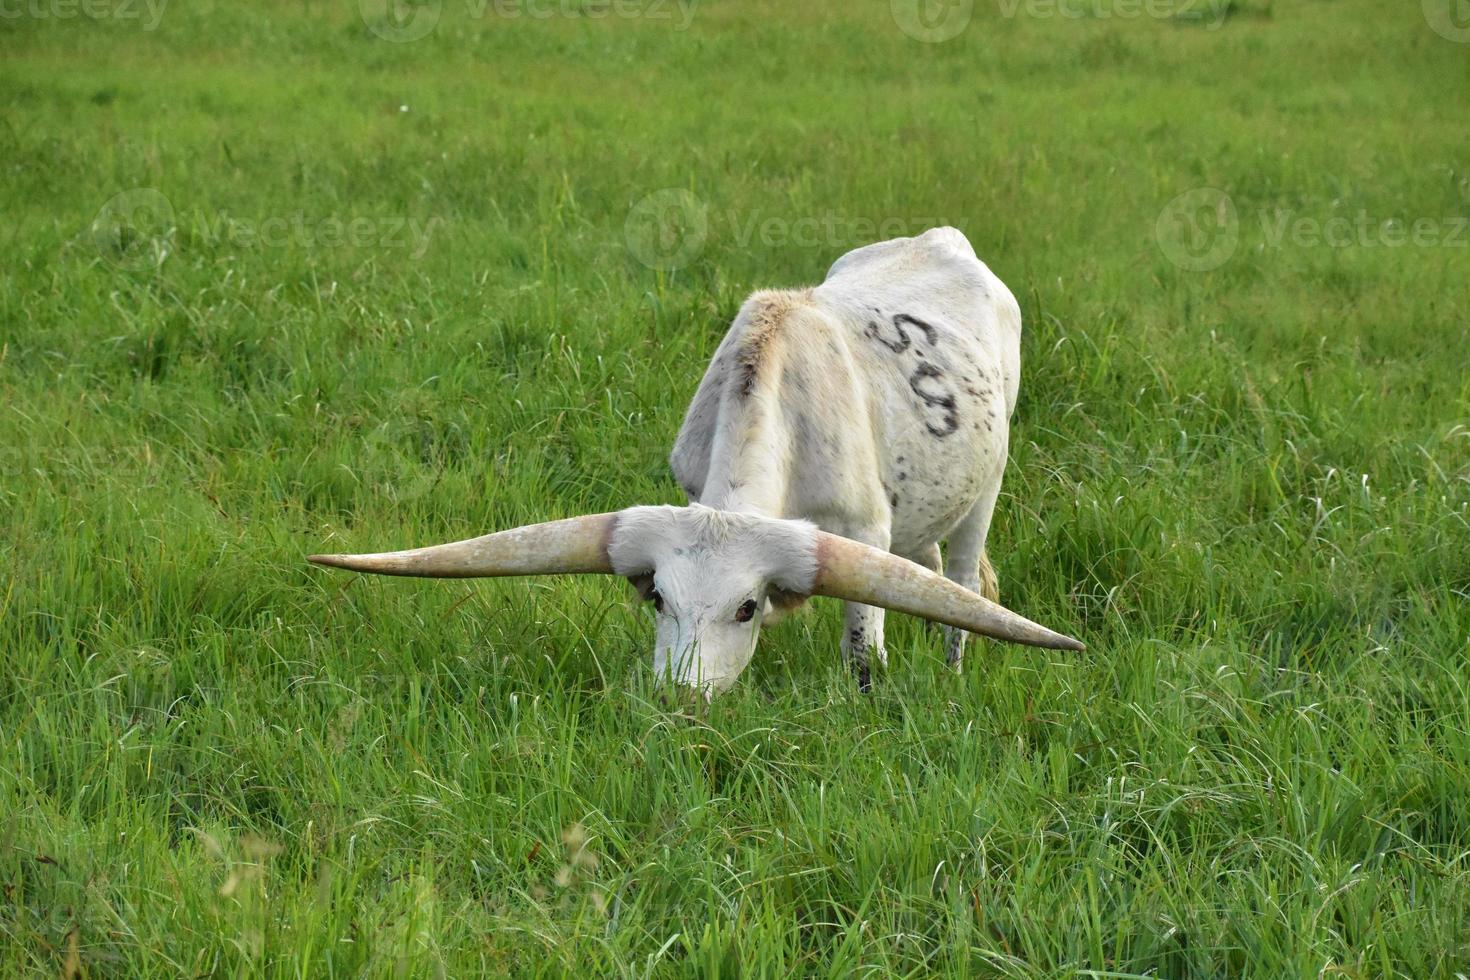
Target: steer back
[{"x": 879, "y": 398}]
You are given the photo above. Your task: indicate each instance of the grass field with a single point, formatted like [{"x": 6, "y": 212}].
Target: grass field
[{"x": 364, "y": 288}]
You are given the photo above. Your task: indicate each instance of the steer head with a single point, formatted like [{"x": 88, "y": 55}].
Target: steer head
[{"x": 712, "y": 578}]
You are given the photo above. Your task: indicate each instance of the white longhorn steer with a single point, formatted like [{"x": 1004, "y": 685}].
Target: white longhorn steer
[{"x": 839, "y": 435}]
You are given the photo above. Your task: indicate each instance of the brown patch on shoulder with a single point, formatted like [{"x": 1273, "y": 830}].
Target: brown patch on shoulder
[{"x": 766, "y": 316}]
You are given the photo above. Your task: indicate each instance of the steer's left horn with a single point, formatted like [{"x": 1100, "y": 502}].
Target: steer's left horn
[
  {"x": 577, "y": 545},
  {"x": 856, "y": 572}
]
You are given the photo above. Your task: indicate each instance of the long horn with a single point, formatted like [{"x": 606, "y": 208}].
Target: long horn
[
  {"x": 577, "y": 545},
  {"x": 856, "y": 572}
]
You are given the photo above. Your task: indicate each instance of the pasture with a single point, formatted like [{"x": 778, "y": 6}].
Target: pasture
[{"x": 280, "y": 278}]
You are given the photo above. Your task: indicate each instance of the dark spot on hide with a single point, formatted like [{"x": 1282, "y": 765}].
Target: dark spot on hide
[
  {"x": 893, "y": 500},
  {"x": 802, "y": 434}
]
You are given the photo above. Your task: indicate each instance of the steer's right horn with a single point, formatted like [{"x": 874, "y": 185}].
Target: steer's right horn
[{"x": 577, "y": 545}]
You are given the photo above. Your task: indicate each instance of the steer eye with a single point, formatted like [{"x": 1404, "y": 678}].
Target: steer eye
[{"x": 746, "y": 612}]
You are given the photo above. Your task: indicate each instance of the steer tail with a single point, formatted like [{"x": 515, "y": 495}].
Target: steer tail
[{"x": 989, "y": 587}]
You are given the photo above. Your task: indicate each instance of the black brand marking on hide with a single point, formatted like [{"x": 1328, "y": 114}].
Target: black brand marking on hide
[
  {"x": 900, "y": 340},
  {"x": 930, "y": 334},
  {"x": 925, "y": 379},
  {"x": 898, "y": 344}
]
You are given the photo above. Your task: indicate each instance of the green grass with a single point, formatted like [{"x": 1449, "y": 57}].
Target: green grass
[{"x": 1247, "y": 488}]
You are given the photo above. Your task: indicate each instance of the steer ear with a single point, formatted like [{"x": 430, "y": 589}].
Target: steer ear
[
  {"x": 570, "y": 547},
  {"x": 858, "y": 573}
]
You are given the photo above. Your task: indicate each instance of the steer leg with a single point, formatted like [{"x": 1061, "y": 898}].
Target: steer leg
[
  {"x": 862, "y": 626},
  {"x": 862, "y": 642},
  {"x": 930, "y": 558},
  {"x": 970, "y": 567}
]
